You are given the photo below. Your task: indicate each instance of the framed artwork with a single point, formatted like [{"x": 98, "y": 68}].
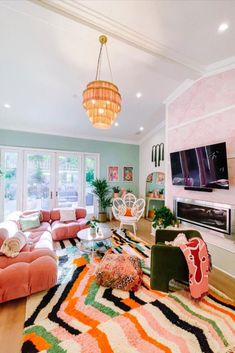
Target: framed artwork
[
  {"x": 160, "y": 178},
  {"x": 113, "y": 173},
  {"x": 149, "y": 178},
  {"x": 128, "y": 173}
]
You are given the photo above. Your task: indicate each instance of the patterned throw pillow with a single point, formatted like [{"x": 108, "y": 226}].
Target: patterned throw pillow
[{"x": 120, "y": 271}]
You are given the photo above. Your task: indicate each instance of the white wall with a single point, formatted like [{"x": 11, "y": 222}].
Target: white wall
[{"x": 146, "y": 166}]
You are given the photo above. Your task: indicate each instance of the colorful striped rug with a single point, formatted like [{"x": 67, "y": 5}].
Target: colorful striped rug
[{"x": 78, "y": 316}]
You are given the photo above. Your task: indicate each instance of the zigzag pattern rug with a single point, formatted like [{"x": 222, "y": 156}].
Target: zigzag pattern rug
[{"x": 78, "y": 316}]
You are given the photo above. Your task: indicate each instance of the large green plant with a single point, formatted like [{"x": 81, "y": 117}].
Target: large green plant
[
  {"x": 102, "y": 191},
  {"x": 163, "y": 217}
]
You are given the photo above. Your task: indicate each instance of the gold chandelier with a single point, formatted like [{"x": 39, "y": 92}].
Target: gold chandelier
[{"x": 101, "y": 99}]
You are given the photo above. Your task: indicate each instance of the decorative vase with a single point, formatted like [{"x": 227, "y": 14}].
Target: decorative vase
[
  {"x": 92, "y": 232},
  {"x": 150, "y": 194}
]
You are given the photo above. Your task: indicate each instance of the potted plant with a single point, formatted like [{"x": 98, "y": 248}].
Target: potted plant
[
  {"x": 150, "y": 193},
  {"x": 129, "y": 191},
  {"x": 93, "y": 226},
  {"x": 161, "y": 193},
  {"x": 163, "y": 217},
  {"x": 102, "y": 191},
  {"x": 116, "y": 190}
]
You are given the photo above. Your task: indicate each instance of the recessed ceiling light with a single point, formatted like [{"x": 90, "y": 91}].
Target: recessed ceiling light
[
  {"x": 138, "y": 94},
  {"x": 223, "y": 27},
  {"x": 141, "y": 128},
  {"x": 116, "y": 124},
  {"x": 6, "y": 105}
]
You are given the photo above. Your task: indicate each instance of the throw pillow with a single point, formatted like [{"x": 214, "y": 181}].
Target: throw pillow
[
  {"x": 12, "y": 246},
  {"x": 180, "y": 239},
  {"x": 29, "y": 222},
  {"x": 128, "y": 212},
  {"x": 67, "y": 215},
  {"x": 120, "y": 271}
]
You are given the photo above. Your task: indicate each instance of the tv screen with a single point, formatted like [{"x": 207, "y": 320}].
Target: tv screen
[{"x": 201, "y": 166}]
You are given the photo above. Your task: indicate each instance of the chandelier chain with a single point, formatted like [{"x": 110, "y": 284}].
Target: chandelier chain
[
  {"x": 111, "y": 74},
  {"x": 97, "y": 76}
]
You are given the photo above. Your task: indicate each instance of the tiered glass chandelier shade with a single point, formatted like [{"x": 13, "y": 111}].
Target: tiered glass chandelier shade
[
  {"x": 101, "y": 99},
  {"x": 102, "y": 102}
]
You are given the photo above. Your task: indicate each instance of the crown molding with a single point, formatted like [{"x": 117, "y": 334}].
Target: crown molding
[
  {"x": 213, "y": 69},
  {"x": 159, "y": 126},
  {"x": 220, "y": 66},
  {"x": 78, "y": 12},
  {"x": 74, "y": 135},
  {"x": 179, "y": 90}
]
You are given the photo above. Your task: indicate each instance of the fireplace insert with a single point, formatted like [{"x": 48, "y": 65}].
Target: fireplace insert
[{"x": 205, "y": 214}]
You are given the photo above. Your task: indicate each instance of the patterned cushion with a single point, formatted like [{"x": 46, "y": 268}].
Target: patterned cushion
[
  {"x": 120, "y": 271},
  {"x": 30, "y": 222}
]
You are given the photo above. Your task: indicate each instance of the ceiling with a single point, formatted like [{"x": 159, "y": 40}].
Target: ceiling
[{"x": 49, "y": 52}]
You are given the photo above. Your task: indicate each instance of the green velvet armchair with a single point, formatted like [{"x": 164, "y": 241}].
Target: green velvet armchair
[{"x": 168, "y": 262}]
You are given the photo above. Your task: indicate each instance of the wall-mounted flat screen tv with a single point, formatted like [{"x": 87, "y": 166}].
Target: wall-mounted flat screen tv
[{"x": 201, "y": 166}]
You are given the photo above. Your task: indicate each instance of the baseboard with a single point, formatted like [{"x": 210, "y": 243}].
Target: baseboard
[{"x": 223, "y": 282}]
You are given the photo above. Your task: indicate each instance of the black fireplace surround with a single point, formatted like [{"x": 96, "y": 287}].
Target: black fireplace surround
[{"x": 204, "y": 214}]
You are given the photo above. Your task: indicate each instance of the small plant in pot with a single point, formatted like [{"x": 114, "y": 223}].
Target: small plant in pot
[
  {"x": 163, "y": 217},
  {"x": 150, "y": 193},
  {"x": 161, "y": 193},
  {"x": 93, "y": 223},
  {"x": 116, "y": 190},
  {"x": 129, "y": 191},
  {"x": 102, "y": 192}
]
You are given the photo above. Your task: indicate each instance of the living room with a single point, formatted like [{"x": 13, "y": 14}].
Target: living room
[{"x": 155, "y": 157}]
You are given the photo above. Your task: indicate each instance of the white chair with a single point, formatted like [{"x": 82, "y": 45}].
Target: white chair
[{"x": 128, "y": 210}]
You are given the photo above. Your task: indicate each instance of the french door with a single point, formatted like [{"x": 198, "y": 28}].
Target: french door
[{"x": 41, "y": 179}]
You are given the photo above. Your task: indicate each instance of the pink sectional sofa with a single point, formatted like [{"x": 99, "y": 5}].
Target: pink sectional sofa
[{"x": 35, "y": 268}]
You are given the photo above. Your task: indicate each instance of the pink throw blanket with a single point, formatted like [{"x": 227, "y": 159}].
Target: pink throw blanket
[{"x": 198, "y": 261}]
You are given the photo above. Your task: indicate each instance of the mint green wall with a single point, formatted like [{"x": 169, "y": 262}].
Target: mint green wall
[{"x": 111, "y": 153}]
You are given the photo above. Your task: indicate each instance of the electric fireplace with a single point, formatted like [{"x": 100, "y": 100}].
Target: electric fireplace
[{"x": 206, "y": 214}]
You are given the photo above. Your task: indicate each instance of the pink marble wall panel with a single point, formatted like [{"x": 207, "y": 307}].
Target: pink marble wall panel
[
  {"x": 216, "y": 128},
  {"x": 207, "y": 95}
]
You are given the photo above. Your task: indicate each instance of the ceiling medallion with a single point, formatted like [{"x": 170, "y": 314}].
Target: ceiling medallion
[{"x": 101, "y": 99}]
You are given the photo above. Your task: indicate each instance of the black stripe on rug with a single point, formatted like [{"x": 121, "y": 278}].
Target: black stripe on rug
[
  {"x": 136, "y": 299},
  {"x": 62, "y": 244},
  {"x": 43, "y": 303},
  {"x": 53, "y": 314},
  {"x": 174, "y": 318},
  {"x": 73, "y": 242},
  {"x": 230, "y": 306},
  {"x": 141, "y": 252},
  {"x": 115, "y": 300}
]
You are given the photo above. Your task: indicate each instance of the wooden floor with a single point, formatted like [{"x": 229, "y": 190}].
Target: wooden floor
[{"x": 12, "y": 313}]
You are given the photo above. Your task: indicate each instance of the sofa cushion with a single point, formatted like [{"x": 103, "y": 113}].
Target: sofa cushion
[
  {"x": 61, "y": 230},
  {"x": 38, "y": 271},
  {"x": 7, "y": 229},
  {"x": 44, "y": 226}
]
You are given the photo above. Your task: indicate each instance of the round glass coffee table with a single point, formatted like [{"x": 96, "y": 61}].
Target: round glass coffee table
[{"x": 90, "y": 243}]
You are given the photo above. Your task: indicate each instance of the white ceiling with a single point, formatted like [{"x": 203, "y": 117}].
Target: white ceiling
[{"x": 49, "y": 53}]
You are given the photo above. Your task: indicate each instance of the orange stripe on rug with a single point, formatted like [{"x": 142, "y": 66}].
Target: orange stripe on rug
[
  {"x": 72, "y": 311},
  {"x": 77, "y": 282},
  {"x": 102, "y": 340},
  {"x": 219, "y": 309},
  {"x": 131, "y": 303},
  {"x": 144, "y": 335},
  {"x": 88, "y": 285},
  {"x": 223, "y": 300},
  {"x": 38, "y": 341}
]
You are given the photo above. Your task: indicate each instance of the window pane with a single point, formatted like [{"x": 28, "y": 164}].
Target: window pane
[
  {"x": 68, "y": 181},
  {"x": 90, "y": 176},
  {"x": 10, "y": 182},
  {"x": 38, "y": 181}
]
